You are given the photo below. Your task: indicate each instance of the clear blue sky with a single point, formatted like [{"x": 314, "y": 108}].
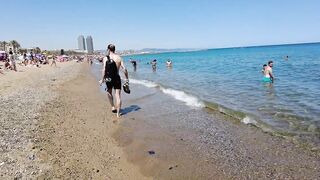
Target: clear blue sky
[{"x": 136, "y": 24}]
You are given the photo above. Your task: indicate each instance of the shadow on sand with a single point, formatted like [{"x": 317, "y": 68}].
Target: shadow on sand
[{"x": 130, "y": 109}]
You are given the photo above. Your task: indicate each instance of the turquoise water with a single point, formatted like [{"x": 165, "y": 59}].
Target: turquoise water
[{"x": 230, "y": 80}]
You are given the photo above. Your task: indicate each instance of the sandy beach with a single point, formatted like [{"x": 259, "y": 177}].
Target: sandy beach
[{"x": 56, "y": 124}]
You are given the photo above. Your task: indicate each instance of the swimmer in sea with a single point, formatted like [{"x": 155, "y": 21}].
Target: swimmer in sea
[
  {"x": 169, "y": 63},
  {"x": 134, "y": 64},
  {"x": 154, "y": 65},
  {"x": 268, "y": 76}
]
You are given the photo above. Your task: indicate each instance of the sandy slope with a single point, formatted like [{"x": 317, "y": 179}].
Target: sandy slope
[{"x": 54, "y": 124}]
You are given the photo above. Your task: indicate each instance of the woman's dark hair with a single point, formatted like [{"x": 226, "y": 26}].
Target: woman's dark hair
[{"x": 112, "y": 48}]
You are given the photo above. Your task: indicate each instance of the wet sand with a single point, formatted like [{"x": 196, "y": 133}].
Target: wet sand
[
  {"x": 202, "y": 144},
  {"x": 68, "y": 132}
]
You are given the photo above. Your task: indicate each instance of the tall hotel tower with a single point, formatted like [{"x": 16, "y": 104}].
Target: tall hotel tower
[
  {"x": 89, "y": 44},
  {"x": 81, "y": 43}
]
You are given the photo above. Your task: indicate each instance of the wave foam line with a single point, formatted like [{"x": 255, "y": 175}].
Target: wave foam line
[{"x": 188, "y": 99}]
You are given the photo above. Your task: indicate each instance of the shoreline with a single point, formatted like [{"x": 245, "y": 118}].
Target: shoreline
[
  {"x": 191, "y": 143},
  {"x": 307, "y": 138}
]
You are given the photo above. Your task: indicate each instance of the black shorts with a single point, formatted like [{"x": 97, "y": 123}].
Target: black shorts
[{"x": 115, "y": 83}]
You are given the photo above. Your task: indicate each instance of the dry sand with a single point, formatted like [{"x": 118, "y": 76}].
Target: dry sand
[{"x": 54, "y": 123}]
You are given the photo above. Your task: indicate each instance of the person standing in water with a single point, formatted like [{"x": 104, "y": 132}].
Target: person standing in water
[
  {"x": 110, "y": 74},
  {"x": 134, "y": 64},
  {"x": 263, "y": 68},
  {"x": 169, "y": 63},
  {"x": 154, "y": 65},
  {"x": 268, "y": 75}
]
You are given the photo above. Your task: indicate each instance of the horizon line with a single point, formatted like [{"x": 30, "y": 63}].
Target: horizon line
[{"x": 230, "y": 47}]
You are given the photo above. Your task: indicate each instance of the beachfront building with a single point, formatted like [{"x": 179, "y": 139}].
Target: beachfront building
[
  {"x": 81, "y": 43},
  {"x": 89, "y": 44}
]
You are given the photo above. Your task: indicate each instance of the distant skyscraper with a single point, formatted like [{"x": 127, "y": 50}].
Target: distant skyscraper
[
  {"x": 81, "y": 43},
  {"x": 89, "y": 44}
]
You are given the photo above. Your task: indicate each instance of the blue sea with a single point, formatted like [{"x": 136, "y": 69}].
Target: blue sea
[{"x": 230, "y": 81}]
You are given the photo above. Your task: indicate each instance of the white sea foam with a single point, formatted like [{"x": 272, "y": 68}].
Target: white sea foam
[
  {"x": 144, "y": 83},
  {"x": 182, "y": 96},
  {"x": 248, "y": 120},
  {"x": 189, "y": 100}
]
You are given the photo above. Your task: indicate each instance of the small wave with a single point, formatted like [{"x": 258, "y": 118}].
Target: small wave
[
  {"x": 188, "y": 99},
  {"x": 184, "y": 97},
  {"x": 249, "y": 120},
  {"x": 144, "y": 83}
]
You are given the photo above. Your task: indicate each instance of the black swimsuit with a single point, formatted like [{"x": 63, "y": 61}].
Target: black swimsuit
[{"x": 111, "y": 71}]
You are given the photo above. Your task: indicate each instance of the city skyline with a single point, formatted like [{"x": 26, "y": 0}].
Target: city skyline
[{"x": 162, "y": 24}]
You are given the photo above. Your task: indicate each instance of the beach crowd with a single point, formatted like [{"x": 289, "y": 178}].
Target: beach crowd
[{"x": 11, "y": 60}]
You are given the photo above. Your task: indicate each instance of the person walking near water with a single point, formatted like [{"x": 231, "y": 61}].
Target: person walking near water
[
  {"x": 110, "y": 74},
  {"x": 268, "y": 75}
]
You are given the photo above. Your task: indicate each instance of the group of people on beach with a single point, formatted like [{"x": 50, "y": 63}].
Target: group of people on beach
[
  {"x": 25, "y": 59},
  {"x": 11, "y": 59}
]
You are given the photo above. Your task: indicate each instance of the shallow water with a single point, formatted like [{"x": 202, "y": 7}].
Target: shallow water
[
  {"x": 230, "y": 81},
  {"x": 171, "y": 121}
]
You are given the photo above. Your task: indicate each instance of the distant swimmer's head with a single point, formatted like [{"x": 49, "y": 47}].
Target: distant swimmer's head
[
  {"x": 270, "y": 63},
  {"x": 112, "y": 48}
]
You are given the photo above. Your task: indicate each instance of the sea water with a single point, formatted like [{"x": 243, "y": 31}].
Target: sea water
[{"x": 230, "y": 81}]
